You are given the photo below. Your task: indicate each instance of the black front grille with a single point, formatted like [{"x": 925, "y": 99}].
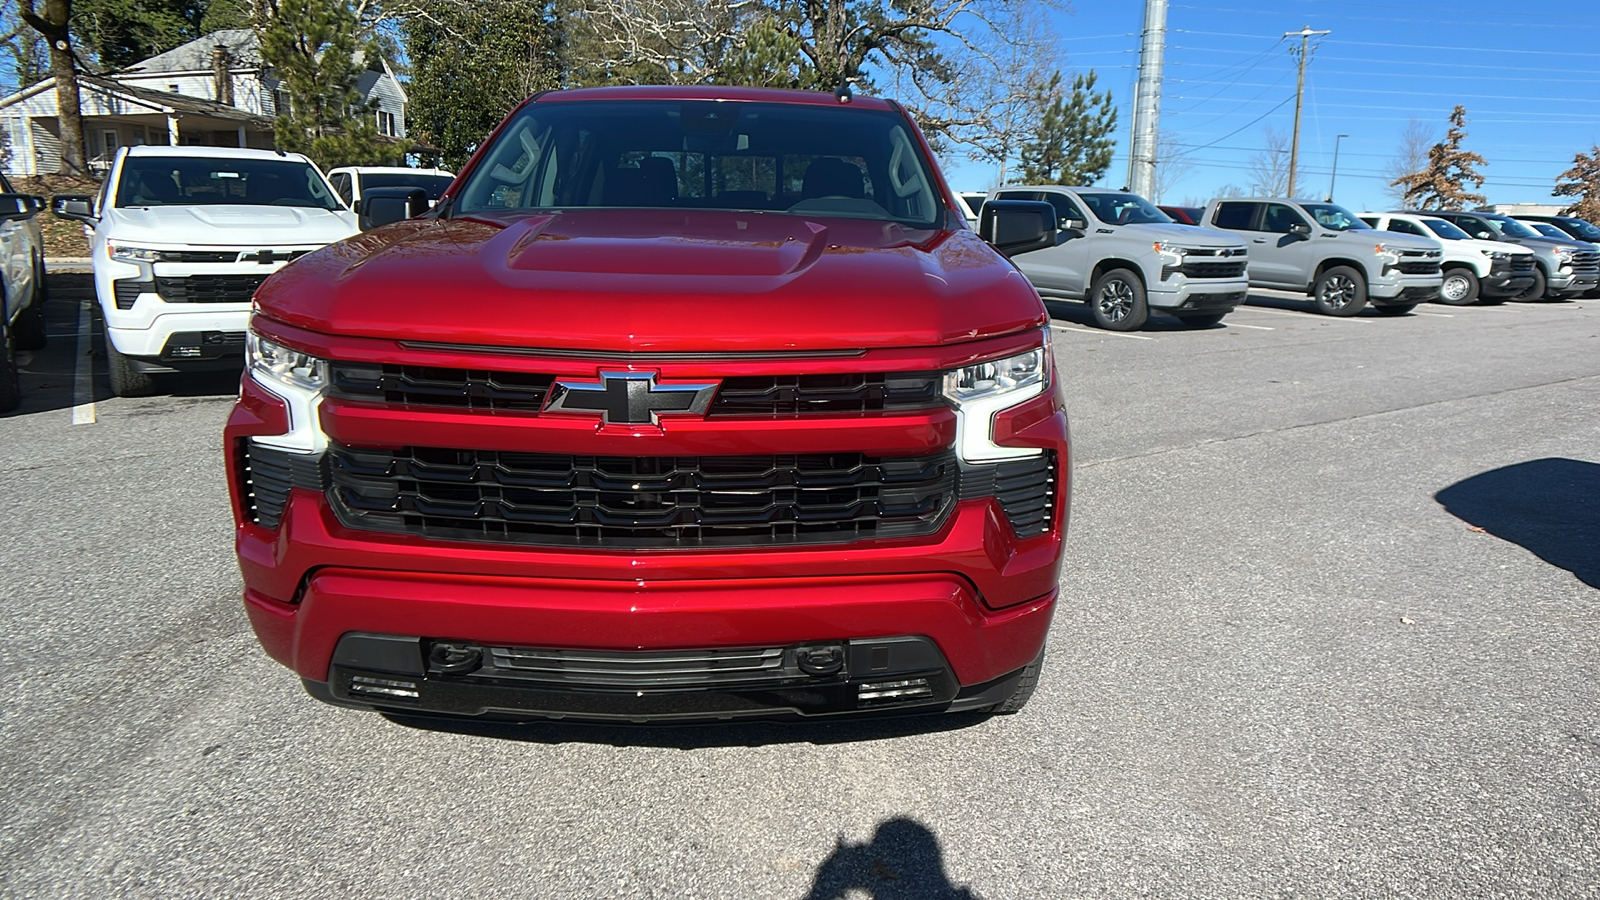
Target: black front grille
[
  {"x": 722, "y": 668},
  {"x": 199, "y": 256},
  {"x": 1419, "y": 267},
  {"x": 1522, "y": 264},
  {"x": 1026, "y": 489},
  {"x": 1233, "y": 269},
  {"x": 772, "y": 396},
  {"x": 127, "y": 290},
  {"x": 209, "y": 288},
  {"x": 267, "y": 475},
  {"x": 641, "y": 502},
  {"x": 1586, "y": 262}
]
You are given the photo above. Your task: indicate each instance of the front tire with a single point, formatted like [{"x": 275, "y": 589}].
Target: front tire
[
  {"x": 1340, "y": 291},
  {"x": 1535, "y": 290},
  {"x": 1025, "y": 688},
  {"x": 1460, "y": 287},
  {"x": 126, "y": 381},
  {"x": 1118, "y": 302}
]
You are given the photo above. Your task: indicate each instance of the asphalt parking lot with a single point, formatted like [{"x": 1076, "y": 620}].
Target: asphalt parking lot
[{"x": 1329, "y": 629}]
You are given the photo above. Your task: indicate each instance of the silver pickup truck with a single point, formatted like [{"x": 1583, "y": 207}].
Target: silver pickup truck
[
  {"x": 1323, "y": 250},
  {"x": 1126, "y": 259},
  {"x": 21, "y": 286}
]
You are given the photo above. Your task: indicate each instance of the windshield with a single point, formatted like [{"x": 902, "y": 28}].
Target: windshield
[
  {"x": 1445, "y": 230},
  {"x": 1123, "y": 209},
  {"x": 1334, "y": 217},
  {"x": 699, "y": 154},
  {"x": 1548, "y": 230},
  {"x": 203, "y": 181},
  {"x": 433, "y": 184},
  {"x": 1580, "y": 228},
  {"x": 1511, "y": 227}
]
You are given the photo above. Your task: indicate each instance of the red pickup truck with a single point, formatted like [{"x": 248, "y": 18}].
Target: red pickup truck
[{"x": 682, "y": 404}]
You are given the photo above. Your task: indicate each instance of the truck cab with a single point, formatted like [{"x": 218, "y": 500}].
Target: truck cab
[
  {"x": 1125, "y": 259},
  {"x": 1327, "y": 252}
]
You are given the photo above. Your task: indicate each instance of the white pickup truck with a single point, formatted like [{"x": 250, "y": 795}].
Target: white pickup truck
[{"x": 181, "y": 237}]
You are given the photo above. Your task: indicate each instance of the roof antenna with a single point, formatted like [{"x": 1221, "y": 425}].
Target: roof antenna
[{"x": 842, "y": 93}]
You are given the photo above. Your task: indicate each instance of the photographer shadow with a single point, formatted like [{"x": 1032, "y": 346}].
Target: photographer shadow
[
  {"x": 903, "y": 861},
  {"x": 1551, "y": 507}
]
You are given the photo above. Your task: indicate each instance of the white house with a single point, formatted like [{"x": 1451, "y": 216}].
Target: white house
[{"x": 212, "y": 91}]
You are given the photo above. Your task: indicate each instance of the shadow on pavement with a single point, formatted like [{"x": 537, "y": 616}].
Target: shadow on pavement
[
  {"x": 698, "y": 737},
  {"x": 903, "y": 861},
  {"x": 1549, "y": 506}
]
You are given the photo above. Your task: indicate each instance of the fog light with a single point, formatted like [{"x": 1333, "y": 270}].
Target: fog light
[
  {"x": 184, "y": 351},
  {"x": 904, "y": 689},
  {"x": 364, "y": 686}
]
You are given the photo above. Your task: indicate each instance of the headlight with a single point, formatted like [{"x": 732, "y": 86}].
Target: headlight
[
  {"x": 1495, "y": 254},
  {"x": 1388, "y": 256},
  {"x": 125, "y": 253},
  {"x": 1171, "y": 254},
  {"x": 1564, "y": 254},
  {"x": 980, "y": 391},
  {"x": 273, "y": 362}
]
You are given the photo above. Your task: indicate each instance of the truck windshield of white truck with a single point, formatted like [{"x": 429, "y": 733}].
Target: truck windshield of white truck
[
  {"x": 1123, "y": 209},
  {"x": 203, "y": 181}
]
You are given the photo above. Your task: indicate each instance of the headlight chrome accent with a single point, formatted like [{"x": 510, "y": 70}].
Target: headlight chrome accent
[
  {"x": 296, "y": 377},
  {"x": 131, "y": 254},
  {"x": 978, "y": 392}
]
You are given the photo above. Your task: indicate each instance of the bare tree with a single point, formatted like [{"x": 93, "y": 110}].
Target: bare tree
[
  {"x": 1229, "y": 190},
  {"x": 1172, "y": 163},
  {"x": 1269, "y": 167},
  {"x": 51, "y": 22},
  {"x": 672, "y": 41},
  {"x": 1416, "y": 139}
]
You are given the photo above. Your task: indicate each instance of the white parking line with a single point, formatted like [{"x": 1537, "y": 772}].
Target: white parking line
[
  {"x": 1438, "y": 315},
  {"x": 1256, "y": 327},
  {"x": 1301, "y": 315},
  {"x": 1137, "y": 337},
  {"x": 83, "y": 373}
]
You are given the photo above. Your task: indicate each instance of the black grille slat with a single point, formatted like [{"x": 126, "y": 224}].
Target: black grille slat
[
  {"x": 126, "y": 291},
  {"x": 641, "y": 502},
  {"x": 268, "y": 476},
  {"x": 1419, "y": 267},
  {"x": 200, "y": 256},
  {"x": 1234, "y": 269},
  {"x": 768, "y": 396},
  {"x": 208, "y": 288},
  {"x": 1522, "y": 264}
]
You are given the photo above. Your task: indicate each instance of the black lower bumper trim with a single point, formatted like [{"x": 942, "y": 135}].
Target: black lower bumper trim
[{"x": 897, "y": 675}]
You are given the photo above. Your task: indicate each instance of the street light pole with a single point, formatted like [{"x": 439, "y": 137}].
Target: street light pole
[
  {"x": 1335, "y": 174},
  {"x": 1304, "y": 34}
]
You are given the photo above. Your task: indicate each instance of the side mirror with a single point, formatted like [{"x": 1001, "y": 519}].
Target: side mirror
[
  {"x": 17, "y": 206},
  {"x": 384, "y": 206},
  {"x": 1018, "y": 226},
  {"x": 73, "y": 206},
  {"x": 1300, "y": 228},
  {"x": 1074, "y": 225}
]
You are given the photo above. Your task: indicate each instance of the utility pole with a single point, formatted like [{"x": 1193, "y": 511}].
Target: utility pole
[
  {"x": 1305, "y": 34},
  {"x": 1147, "y": 100},
  {"x": 1335, "y": 174}
]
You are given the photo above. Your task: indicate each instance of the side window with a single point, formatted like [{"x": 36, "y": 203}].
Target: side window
[
  {"x": 341, "y": 186},
  {"x": 1372, "y": 221},
  {"x": 1017, "y": 195},
  {"x": 1065, "y": 208},
  {"x": 1235, "y": 216},
  {"x": 1401, "y": 226},
  {"x": 1279, "y": 218}
]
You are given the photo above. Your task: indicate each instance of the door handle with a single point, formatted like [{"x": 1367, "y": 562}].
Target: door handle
[{"x": 1260, "y": 240}]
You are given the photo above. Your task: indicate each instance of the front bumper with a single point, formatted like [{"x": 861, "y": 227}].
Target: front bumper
[
  {"x": 1395, "y": 289},
  {"x": 1183, "y": 294}
]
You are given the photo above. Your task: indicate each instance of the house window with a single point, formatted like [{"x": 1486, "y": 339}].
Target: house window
[
  {"x": 173, "y": 89},
  {"x": 386, "y": 124}
]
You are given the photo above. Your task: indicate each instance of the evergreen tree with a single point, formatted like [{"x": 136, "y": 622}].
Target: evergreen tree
[
  {"x": 471, "y": 65},
  {"x": 311, "y": 47},
  {"x": 1582, "y": 181},
  {"x": 1074, "y": 142},
  {"x": 768, "y": 57},
  {"x": 123, "y": 32},
  {"x": 1442, "y": 183}
]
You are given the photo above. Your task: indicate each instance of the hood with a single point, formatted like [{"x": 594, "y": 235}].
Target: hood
[
  {"x": 1394, "y": 240},
  {"x": 1185, "y": 235},
  {"x": 657, "y": 280},
  {"x": 1550, "y": 244},
  {"x": 1491, "y": 246},
  {"x": 231, "y": 225}
]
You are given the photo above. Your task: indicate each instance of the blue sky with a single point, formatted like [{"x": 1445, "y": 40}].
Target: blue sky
[{"x": 1528, "y": 74}]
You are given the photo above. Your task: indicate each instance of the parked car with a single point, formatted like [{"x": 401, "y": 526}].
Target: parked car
[
  {"x": 1572, "y": 226},
  {"x": 600, "y": 437},
  {"x": 1183, "y": 215},
  {"x": 1474, "y": 270},
  {"x": 1126, "y": 259},
  {"x": 1327, "y": 252},
  {"x": 350, "y": 181},
  {"x": 181, "y": 237},
  {"x": 1563, "y": 268},
  {"x": 22, "y": 286}
]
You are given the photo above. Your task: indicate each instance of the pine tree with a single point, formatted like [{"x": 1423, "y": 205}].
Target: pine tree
[
  {"x": 1074, "y": 141},
  {"x": 1582, "y": 181},
  {"x": 1441, "y": 184},
  {"x": 311, "y": 45}
]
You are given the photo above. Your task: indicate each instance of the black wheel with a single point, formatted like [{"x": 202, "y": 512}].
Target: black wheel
[
  {"x": 1025, "y": 688},
  {"x": 1536, "y": 290},
  {"x": 1396, "y": 310},
  {"x": 10, "y": 390},
  {"x": 1340, "y": 291},
  {"x": 1460, "y": 287},
  {"x": 1201, "y": 320},
  {"x": 1117, "y": 301},
  {"x": 126, "y": 381}
]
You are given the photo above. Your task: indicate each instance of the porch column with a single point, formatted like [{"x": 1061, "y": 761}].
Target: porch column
[
  {"x": 31, "y": 165},
  {"x": 241, "y": 136},
  {"x": 172, "y": 129}
]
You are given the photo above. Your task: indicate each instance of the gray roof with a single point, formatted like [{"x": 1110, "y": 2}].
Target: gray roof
[
  {"x": 179, "y": 102},
  {"x": 244, "y": 50}
]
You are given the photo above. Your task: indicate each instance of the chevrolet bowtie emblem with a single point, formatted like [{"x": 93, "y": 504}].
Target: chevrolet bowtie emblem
[{"x": 630, "y": 398}]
